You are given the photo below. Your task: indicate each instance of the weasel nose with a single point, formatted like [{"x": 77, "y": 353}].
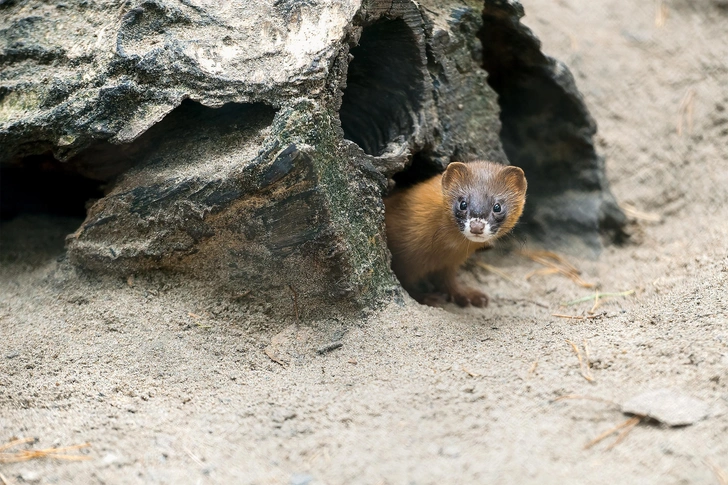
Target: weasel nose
[{"x": 476, "y": 227}]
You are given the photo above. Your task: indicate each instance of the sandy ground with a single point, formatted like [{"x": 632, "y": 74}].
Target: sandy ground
[{"x": 170, "y": 384}]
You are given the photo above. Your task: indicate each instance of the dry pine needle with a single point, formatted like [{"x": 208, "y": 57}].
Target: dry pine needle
[
  {"x": 25, "y": 455},
  {"x": 555, "y": 263}
]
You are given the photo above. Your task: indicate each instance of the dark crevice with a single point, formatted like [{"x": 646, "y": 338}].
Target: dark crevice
[
  {"x": 422, "y": 167},
  {"x": 384, "y": 87},
  {"x": 40, "y": 184}
]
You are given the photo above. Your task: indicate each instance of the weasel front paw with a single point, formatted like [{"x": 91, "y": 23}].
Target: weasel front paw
[
  {"x": 433, "y": 299},
  {"x": 469, "y": 296}
]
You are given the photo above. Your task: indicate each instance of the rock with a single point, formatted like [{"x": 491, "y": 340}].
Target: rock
[
  {"x": 112, "y": 459},
  {"x": 668, "y": 407},
  {"x": 249, "y": 146},
  {"x": 301, "y": 479},
  {"x": 29, "y": 476}
]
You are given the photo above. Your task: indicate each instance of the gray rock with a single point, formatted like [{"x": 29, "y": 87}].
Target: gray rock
[
  {"x": 667, "y": 406},
  {"x": 250, "y": 145}
]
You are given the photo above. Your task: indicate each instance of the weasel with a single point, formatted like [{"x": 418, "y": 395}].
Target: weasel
[{"x": 434, "y": 226}]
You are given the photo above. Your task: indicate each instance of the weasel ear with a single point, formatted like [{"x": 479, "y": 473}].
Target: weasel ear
[
  {"x": 455, "y": 172},
  {"x": 514, "y": 178}
]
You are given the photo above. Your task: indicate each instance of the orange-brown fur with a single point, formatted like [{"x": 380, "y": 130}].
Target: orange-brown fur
[{"x": 424, "y": 238}]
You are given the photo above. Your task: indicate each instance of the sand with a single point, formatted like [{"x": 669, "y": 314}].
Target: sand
[{"x": 169, "y": 383}]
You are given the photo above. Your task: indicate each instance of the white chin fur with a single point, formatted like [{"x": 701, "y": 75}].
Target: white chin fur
[{"x": 485, "y": 237}]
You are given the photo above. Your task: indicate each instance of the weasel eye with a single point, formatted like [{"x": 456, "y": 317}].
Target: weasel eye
[
  {"x": 463, "y": 205},
  {"x": 497, "y": 208}
]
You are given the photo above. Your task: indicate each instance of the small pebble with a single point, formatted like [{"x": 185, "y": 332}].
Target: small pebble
[{"x": 301, "y": 479}]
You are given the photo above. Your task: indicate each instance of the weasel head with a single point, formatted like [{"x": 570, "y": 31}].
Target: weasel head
[{"x": 485, "y": 198}]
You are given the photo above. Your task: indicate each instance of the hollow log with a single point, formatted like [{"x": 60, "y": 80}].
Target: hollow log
[{"x": 249, "y": 144}]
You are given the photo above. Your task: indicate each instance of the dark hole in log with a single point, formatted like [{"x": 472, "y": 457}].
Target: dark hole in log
[
  {"x": 421, "y": 168},
  {"x": 384, "y": 87},
  {"x": 40, "y": 184}
]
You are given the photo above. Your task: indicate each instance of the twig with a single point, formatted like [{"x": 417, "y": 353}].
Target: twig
[
  {"x": 15, "y": 443},
  {"x": 596, "y": 303},
  {"x": 555, "y": 264},
  {"x": 686, "y": 111},
  {"x": 541, "y": 272},
  {"x": 194, "y": 458},
  {"x": 59, "y": 457},
  {"x": 621, "y": 436},
  {"x": 556, "y": 257},
  {"x": 63, "y": 448},
  {"x": 626, "y": 426},
  {"x": 590, "y": 398},
  {"x": 634, "y": 213},
  {"x": 470, "y": 373},
  {"x": 583, "y": 365},
  {"x": 4, "y": 480},
  {"x": 630, "y": 423},
  {"x": 533, "y": 368},
  {"x": 720, "y": 474},
  {"x": 496, "y": 271},
  {"x": 25, "y": 455},
  {"x": 599, "y": 295},
  {"x": 329, "y": 347},
  {"x": 661, "y": 14},
  {"x": 524, "y": 300},
  {"x": 577, "y": 317}
]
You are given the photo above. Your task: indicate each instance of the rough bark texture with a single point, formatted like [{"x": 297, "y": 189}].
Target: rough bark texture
[{"x": 250, "y": 143}]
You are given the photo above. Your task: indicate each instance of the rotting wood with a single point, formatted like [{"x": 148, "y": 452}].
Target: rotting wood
[{"x": 274, "y": 175}]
